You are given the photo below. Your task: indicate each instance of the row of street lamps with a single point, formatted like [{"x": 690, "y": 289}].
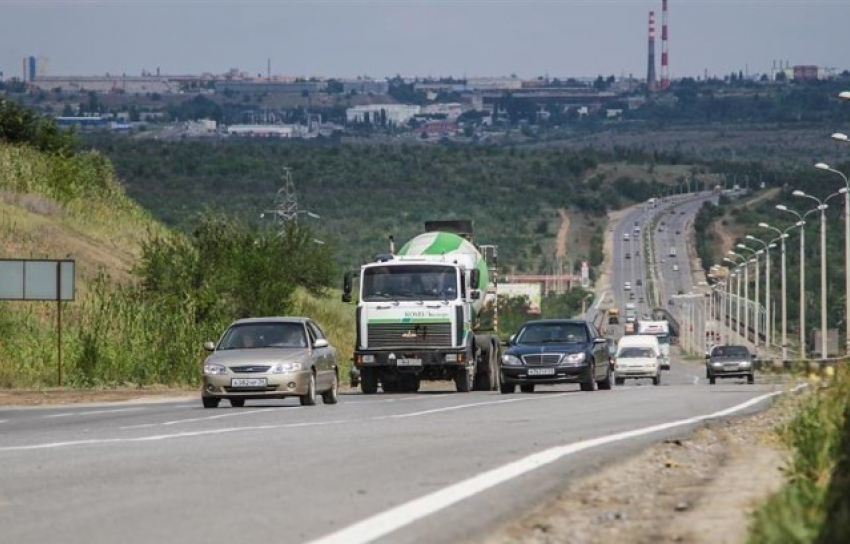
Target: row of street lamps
[{"x": 766, "y": 246}]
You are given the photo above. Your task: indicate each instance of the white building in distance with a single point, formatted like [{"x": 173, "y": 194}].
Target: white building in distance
[{"x": 394, "y": 114}]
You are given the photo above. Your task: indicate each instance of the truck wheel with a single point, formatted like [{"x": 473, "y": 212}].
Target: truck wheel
[
  {"x": 487, "y": 377},
  {"x": 751, "y": 379},
  {"x": 463, "y": 379},
  {"x": 619, "y": 381},
  {"x": 369, "y": 380}
]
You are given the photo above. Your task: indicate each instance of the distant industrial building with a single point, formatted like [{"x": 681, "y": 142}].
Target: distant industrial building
[
  {"x": 259, "y": 86},
  {"x": 365, "y": 86},
  {"x": 391, "y": 114}
]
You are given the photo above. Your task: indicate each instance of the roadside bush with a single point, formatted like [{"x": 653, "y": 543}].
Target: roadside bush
[{"x": 814, "y": 504}]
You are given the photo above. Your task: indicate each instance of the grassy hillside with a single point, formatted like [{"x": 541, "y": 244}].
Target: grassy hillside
[{"x": 117, "y": 331}]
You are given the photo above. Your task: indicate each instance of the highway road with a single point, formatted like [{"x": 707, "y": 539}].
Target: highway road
[{"x": 437, "y": 466}]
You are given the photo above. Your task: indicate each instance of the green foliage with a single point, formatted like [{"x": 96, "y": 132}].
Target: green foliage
[
  {"x": 814, "y": 504},
  {"x": 19, "y": 125},
  {"x": 366, "y": 192}
]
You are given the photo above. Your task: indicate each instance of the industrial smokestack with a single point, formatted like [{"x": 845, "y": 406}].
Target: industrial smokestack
[
  {"x": 665, "y": 66},
  {"x": 650, "y": 58}
]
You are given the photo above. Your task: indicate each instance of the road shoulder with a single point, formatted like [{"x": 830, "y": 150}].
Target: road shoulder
[{"x": 700, "y": 488}]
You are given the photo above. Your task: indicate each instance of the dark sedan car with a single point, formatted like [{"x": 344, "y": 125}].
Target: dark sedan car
[
  {"x": 729, "y": 361},
  {"x": 555, "y": 351}
]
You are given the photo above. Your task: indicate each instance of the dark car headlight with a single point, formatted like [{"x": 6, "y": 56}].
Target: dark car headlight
[
  {"x": 573, "y": 358},
  {"x": 511, "y": 360}
]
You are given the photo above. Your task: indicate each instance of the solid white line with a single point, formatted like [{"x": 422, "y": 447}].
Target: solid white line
[
  {"x": 195, "y": 419},
  {"x": 4, "y": 421},
  {"x": 393, "y": 519},
  {"x": 93, "y": 412}
]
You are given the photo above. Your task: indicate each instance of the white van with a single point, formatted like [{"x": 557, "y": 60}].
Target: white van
[{"x": 638, "y": 356}]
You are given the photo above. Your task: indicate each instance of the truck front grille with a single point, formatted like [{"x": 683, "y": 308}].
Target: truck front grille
[{"x": 409, "y": 335}]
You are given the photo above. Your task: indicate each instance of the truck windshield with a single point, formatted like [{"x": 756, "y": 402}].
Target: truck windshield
[{"x": 410, "y": 282}]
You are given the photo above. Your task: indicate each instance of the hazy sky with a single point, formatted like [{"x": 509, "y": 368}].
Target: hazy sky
[{"x": 419, "y": 37}]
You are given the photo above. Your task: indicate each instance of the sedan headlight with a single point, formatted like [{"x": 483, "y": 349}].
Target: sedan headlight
[
  {"x": 214, "y": 369},
  {"x": 573, "y": 358},
  {"x": 280, "y": 368},
  {"x": 511, "y": 360}
]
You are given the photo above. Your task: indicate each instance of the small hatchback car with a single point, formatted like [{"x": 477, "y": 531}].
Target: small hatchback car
[
  {"x": 553, "y": 351},
  {"x": 729, "y": 361},
  {"x": 270, "y": 358}
]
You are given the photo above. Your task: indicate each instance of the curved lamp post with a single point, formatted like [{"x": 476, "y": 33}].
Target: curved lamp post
[
  {"x": 767, "y": 247},
  {"x": 822, "y": 206},
  {"x": 801, "y": 222},
  {"x": 783, "y": 234},
  {"x": 827, "y": 168},
  {"x": 754, "y": 260},
  {"x": 738, "y": 266}
]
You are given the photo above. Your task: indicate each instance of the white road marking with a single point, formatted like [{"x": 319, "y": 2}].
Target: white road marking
[
  {"x": 189, "y": 434},
  {"x": 92, "y": 412},
  {"x": 4, "y": 421},
  {"x": 472, "y": 405},
  {"x": 696, "y": 380},
  {"x": 154, "y": 438},
  {"x": 195, "y": 419},
  {"x": 393, "y": 519}
]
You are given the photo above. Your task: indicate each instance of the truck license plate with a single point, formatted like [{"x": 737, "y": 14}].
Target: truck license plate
[
  {"x": 248, "y": 382},
  {"x": 541, "y": 371},
  {"x": 407, "y": 361}
]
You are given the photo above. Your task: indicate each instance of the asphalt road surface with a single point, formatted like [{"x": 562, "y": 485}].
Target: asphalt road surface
[{"x": 437, "y": 466}]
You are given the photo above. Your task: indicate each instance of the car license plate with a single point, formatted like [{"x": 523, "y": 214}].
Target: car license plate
[
  {"x": 407, "y": 361},
  {"x": 730, "y": 367},
  {"x": 541, "y": 371},
  {"x": 248, "y": 382}
]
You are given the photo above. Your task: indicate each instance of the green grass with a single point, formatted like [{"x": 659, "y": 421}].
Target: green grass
[{"x": 814, "y": 504}]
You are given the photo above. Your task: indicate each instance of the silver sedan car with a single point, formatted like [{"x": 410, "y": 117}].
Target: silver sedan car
[{"x": 270, "y": 358}]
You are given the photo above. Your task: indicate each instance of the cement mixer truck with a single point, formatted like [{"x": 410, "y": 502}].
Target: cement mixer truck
[{"x": 418, "y": 314}]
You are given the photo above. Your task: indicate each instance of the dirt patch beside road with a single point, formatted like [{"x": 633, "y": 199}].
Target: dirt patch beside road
[
  {"x": 14, "y": 397},
  {"x": 696, "y": 489}
]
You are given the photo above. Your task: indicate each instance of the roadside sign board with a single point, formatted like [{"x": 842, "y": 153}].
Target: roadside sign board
[{"x": 37, "y": 279}]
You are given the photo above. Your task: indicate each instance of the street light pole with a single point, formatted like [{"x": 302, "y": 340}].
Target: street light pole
[
  {"x": 826, "y": 167},
  {"x": 747, "y": 297},
  {"x": 738, "y": 288},
  {"x": 802, "y": 224},
  {"x": 782, "y": 236},
  {"x": 822, "y": 206}
]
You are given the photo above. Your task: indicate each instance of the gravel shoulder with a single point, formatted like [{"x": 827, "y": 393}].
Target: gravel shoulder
[{"x": 699, "y": 488}]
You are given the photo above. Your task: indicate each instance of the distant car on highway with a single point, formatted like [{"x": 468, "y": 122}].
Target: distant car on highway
[
  {"x": 268, "y": 358},
  {"x": 628, "y": 255},
  {"x": 639, "y": 282},
  {"x": 627, "y": 286},
  {"x": 556, "y": 351},
  {"x": 729, "y": 361},
  {"x": 638, "y": 356}
]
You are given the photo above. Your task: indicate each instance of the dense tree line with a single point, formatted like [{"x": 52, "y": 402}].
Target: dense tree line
[{"x": 365, "y": 193}]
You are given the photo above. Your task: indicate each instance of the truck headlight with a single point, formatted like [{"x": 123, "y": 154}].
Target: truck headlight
[
  {"x": 214, "y": 369},
  {"x": 511, "y": 360},
  {"x": 367, "y": 358},
  {"x": 280, "y": 368},
  {"x": 573, "y": 358}
]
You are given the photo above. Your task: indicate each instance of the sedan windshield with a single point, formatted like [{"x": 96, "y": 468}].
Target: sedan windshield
[
  {"x": 410, "y": 282},
  {"x": 730, "y": 351},
  {"x": 264, "y": 335},
  {"x": 628, "y": 353},
  {"x": 541, "y": 333}
]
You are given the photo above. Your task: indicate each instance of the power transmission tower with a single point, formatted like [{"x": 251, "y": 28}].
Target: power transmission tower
[{"x": 286, "y": 210}]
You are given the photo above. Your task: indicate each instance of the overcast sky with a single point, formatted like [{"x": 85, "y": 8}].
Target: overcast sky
[{"x": 381, "y": 38}]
